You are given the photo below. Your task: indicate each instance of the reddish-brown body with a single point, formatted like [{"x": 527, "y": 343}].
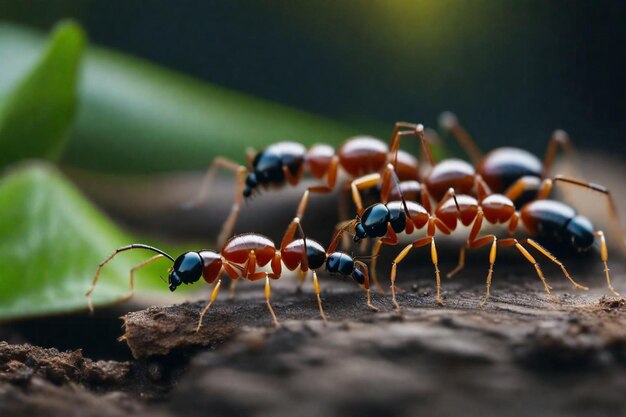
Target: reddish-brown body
[
  {"x": 238, "y": 248},
  {"x": 450, "y": 173}
]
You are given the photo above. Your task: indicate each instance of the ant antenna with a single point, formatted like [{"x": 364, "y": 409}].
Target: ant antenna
[
  {"x": 456, "y": 202},
  {"x": 117, "y": 251},
  {"x": 425, "y": 145},
  {"x": 304, "y": 262},
  {"x": 396, "y": 181}
]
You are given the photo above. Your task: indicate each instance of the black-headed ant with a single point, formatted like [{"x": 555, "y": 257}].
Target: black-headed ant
[
  {"x": 548, "y": 221},
  {"x": 240, "y": 257},
  {"x": 361, "y": 157}
]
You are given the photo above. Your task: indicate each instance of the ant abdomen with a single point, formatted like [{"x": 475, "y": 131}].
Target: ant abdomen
[
  {"x": 450, "y": 173},
  {"x": 557, "y": 223}
]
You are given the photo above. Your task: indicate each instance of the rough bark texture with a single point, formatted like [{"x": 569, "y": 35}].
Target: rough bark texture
[{"x": 520, "y": 354}]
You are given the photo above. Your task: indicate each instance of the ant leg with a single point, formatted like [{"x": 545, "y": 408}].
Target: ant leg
[
  {"x": 531, "y": 259},
  {"x": 373, "y": 264},
  {"x": 132, "y": 275},
  {"x": 518, "y": 188},
  {"x": 216, "y": 291},
  {"x": 362, "y": 183},
  {"x": 344, "y": 211},
  {"x": 218, "y": 162},
  {"x": 391, "y": 239},
  {"x": 316, "y": 286},
  {"x": 331, "y": 179},
  {"x": 301, "y": 279},
  {"x": 604, "y": 254},
  {"x": 108, "y": 259},
  {"x": 478, "y": 243},
  {"x": 229, "y": 224},
  {"x": 482, "y": 189},
  {"x": 233, "y": 288},
  {"x": 609, "y": 202},
  {"x": 366, "y": 284},
  {"x": 460, "y": 265},
  {"x": 474, "y": 242},
  {"x": 559, "y": 138},
  {"x": 553, "y": 258},
  {"x": 433, "y": 253},
  {"x": 394, "y": 144},
  {"x": 268, "y": 294},
  {"x": 449, "y": 122}
]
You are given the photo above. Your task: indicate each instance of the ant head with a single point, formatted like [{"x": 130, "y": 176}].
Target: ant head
[
  {"x": 359, "y": 231},
  {"x": 580, "y": 232},
  {"x": 251, "y": 184},
  {"x": 186, "y": 270},
  {"x": 373, "y": 223}
]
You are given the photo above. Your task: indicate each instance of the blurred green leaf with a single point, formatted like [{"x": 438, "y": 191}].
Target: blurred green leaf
[
  {"x": 137, "y": 117},
  {"x": 51, "y": 241},
  {"x": 35, "y": 116}
]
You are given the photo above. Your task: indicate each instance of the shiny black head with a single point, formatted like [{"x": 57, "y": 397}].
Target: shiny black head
[
  {"x": 251, "y": 183},
  {"x": 374, "y": 221},
  {"x": 187, "y": 269},
  {"x": 580, "y": 232}
]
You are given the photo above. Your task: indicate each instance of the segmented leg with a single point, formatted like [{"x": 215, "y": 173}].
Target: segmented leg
[
  {"x": 218, "y": 162},
  {"x": 460, "y": 265},
  {"x": 553, "y": 258},
  {"x": 450, "y": 122},
  {"x": 132, "y": 275},
  {"x": 559, "y": 139},
  {"x": 231, "y": 220},
  {"x": 604, "y": 254},
  {"x": 214, "y": 293},
  {"x": 268, "y": 294},
  {"x": 433, "y": 254},
  {"x": 316, "y": 286}
]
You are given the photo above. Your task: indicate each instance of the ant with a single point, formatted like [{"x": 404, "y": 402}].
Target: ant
[
  {"x": 385, "y": 220},
  {"x": 514, "y": 172},
  {"x": 239, "y": 258},
  {"x": 547, "y": 220},
  {"x": 543, "y": 219},
  {"x": 361, "y": 157}
]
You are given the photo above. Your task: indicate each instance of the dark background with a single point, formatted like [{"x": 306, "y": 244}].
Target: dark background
[{"x": 512, "y": 71}]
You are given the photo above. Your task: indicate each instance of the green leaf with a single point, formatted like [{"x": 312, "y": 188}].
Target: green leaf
[
  {"x": 137, "y": 117},
  {"x": 36, "y": 115},
  {"x": 51, "y": 241}
]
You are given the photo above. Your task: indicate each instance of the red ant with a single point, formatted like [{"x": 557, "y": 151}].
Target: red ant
[
  {"x": 361, "y": 157},
  {"x": 548, "y": 221},
  {"x": 240, "y": 256},
  {"x": 513, "y": 172}
]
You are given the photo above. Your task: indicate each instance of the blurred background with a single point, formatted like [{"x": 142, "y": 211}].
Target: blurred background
[
  {"x": 130, "y": 103},
  {"x": 512, "y": 70}
]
